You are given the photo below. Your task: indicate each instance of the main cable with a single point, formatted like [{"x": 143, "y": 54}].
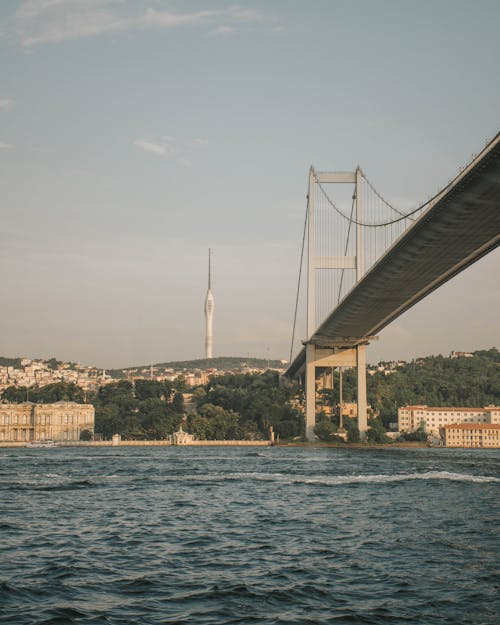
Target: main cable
[
  {"x": 380, "y": 225},
  {"x": 381, "y": 197}
]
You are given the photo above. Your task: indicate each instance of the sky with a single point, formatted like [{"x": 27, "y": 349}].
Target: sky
[{"x": 136, "y": 134}]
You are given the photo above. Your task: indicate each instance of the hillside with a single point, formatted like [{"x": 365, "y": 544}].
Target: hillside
[
  {"x": 232, "y": 363},
  {"x": 434, "y": 381}
]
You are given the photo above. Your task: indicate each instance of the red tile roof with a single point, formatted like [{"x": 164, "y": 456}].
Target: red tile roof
[
  {"x": 451, "y": 408},
  {"x": 473, "y": 426}
]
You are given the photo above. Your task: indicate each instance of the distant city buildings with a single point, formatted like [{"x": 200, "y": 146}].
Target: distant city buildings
[
  {"x": 61, "y": 421},
  {"x": 461, "y": 355},
  {"x": 38, "y": 373},
  {"x": 41, "y": 373},
  {"x": 386, "y": 368},
  {"x": 410, "y": 418}
]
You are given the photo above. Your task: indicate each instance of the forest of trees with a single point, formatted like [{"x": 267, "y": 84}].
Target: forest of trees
[
  {"x": 245, "y": 406},
  {"x": 433, "y": 381},
  {"x": 144, "y": 410},
  {"x": 10, "y": 362},
  {"x": 234, "y": 406},
  {"x": 59, "y": 391}
]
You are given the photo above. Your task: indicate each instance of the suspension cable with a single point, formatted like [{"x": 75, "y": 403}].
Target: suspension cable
[
  {"x": 381, "y": 197},
  {"x": 300, "y": 273},
  {"x": 346, "y": 246},
  {"x": 380, "y": 225}
]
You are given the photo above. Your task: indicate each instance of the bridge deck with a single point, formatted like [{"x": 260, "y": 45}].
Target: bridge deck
[{"x": 458, "y": 228}]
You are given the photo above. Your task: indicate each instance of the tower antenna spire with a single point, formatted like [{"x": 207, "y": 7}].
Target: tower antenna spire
[{"x": 209, "y": 311}]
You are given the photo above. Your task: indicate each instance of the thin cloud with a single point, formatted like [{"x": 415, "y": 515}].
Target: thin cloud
[
  {"x": 38, "y": 22},
  {"x": 199, "y": 143},
  {"x": 242, "y": 14},
  {"x": 6, "y": 104},
  {"x": 5, "y": 146},
  {"x": 168, "y": 19},
  {"x": 163, "y": 147},
  {"x": 51, "y": 21},
  {"x": 153, "y": 148},
  {"x": 223, "y": 30}
]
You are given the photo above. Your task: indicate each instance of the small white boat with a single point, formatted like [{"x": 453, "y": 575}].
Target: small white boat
[{"x": 45, "y": 443}]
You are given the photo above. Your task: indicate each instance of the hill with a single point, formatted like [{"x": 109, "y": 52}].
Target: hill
[
  {"x": 434, "y": 381},
  {"x": 224, "y": 363}
]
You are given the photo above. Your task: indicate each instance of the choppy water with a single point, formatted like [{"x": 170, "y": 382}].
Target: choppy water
[{"x": 279, "y": 535}]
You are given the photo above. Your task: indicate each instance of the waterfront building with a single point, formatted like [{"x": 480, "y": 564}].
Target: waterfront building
[
  {"x": 410, "y": 418},
  {"x": 61, "y": 421},
  {"x": 182, "y": 438},
  {"x": 486, "y": 435}
]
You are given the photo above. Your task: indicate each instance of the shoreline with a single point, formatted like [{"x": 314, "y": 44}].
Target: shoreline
[
  {"x": 132, "y": 443},
  {"x": 402, "y": 445},
  {"x": 231, "y": 443}
]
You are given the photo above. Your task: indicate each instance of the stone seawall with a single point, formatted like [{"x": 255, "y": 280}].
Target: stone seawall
[
  {"x": 161, "y": 443},
  {"x": 228, "y": 443}
]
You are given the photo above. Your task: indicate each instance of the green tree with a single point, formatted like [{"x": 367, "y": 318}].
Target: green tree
[
  {"x": 60, "y": 391},
  {"x": 221, "y": 424},
  {"x": 376, "y": 432},
  {"x": 351, "y": 425},
  {"x": 16, "y": 394},
  {"x": 145, "y": 389},
  {"x": 326, "y": 430},
  {"x": 108, "y": 421},
  {"x": 178, "y": 402},
  {"x": 419, "y": 435},
  {"x": 157, "y": 418},
  {"x": 199, "y": 426}
]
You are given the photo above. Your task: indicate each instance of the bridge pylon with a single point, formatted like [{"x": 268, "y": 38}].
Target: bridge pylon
[{"x": 344, "y": 352}]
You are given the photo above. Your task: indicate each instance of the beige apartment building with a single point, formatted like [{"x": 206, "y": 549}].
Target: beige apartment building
[
  {"x": 61, "y": 421},
  {"x": 411, "y": 417},
  {"x": 485, "y": 435}
]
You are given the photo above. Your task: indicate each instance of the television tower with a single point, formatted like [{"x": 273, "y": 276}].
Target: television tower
[{"x": 209, "y": 312}]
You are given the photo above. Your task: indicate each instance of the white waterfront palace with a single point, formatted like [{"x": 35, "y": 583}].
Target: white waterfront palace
[{"x": 61, "y": 421}]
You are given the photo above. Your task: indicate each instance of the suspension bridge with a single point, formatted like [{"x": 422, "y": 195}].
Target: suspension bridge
[{"x": 369, "y": 264}]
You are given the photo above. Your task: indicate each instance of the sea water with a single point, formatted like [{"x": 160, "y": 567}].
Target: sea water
[{"x": 152, "y": 535}]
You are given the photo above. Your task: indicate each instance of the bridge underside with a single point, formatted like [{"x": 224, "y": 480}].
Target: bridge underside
[{"x": 459, "y": 227}]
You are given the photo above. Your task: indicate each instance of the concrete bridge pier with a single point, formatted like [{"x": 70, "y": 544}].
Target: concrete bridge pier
[
  {"x": 361, "y": 370},
  {"x": 316, "y": 357}
]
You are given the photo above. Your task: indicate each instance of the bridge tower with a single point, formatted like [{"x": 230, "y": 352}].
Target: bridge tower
[{"x": 340, "y": 352}]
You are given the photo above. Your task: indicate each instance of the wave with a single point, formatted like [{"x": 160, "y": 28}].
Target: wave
[
  {"x": 324, "y": 480},
  {"x": 398, "y": 477},
  {"x": 40, "y": 486},
  {"x": 341, "y": 480},
  {"x": 193, "y": 479}
]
